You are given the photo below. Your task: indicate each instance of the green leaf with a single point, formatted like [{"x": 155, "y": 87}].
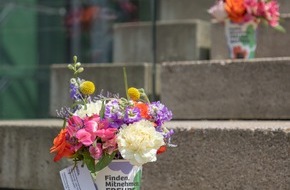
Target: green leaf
[
  {"x": 280, "y": 28},
  {"x": 104, "y": 161},
  {"x": 102, "y": 111},
  {"x": 89, "y": 161}
]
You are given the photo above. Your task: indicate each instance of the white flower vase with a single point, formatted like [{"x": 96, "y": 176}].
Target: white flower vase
[
  {"x": 241, "y": 39},
  {"x": 119, "y": 174}
]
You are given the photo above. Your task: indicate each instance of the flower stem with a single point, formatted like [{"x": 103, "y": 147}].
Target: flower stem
[{"x": 126, "y": 82}]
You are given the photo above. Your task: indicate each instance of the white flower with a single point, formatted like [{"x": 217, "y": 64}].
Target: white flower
[
  {"x": 218, "y": 11},
  {"x": 138, "y": 142},
  {"x": 89, "y": 109}
]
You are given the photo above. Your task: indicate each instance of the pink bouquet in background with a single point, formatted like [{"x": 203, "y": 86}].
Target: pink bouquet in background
[
  {"x": 242, "y": 11},
  {"x": 99, "y": 129}
]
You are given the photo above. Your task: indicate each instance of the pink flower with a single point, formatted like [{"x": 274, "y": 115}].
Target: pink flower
[
  {"x": 251, "y": 6},
  {"x": 261, "y": 9},
  {"x": 272, "y": 13},
  {"x": 84, "y": 137},
  {"x": 74, "y": 124},
  {"x": 96, "y": 152},
  {"x": 103, "y": 124},
  {"x": 106, "y": 134},
  {"x": 218, "y": 11},
  {"x": 110, "y": 145},
  {"x": 91, "y": 125}
]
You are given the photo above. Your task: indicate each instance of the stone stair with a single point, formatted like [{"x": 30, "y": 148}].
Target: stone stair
[
  {"x": 230, "y": 116},
  {"x": 177, "y": 40},
  {"x": 227, "y": 89},
  {"x": 210, "y": 155}
]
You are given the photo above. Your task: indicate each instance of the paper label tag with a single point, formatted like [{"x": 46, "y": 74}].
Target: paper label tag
[
  {"x": 119, "y": 175},
  {"x": 77, "y": 178}
]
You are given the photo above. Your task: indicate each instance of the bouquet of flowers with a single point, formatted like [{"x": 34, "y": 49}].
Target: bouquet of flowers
[
  {"x": 99, "y": 129},
  {"x": 242, "y": 11}
]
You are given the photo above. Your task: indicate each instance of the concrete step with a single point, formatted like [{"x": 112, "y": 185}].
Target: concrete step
[
  {"x": 107, "y": 77},
  {"x": 192, "y": 9},
  {"x": 270, "y": 42},
  {"x": 176, "y": 41},
  {"x": 210, "y": 155},
  {"x": 184, "y": 9},
  {"x": 227, "y": 89}
]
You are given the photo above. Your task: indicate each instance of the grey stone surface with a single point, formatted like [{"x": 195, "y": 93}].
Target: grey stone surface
[
  {"x": 227, "y": 89},
  {"x": 210, "y": 155},
  {"x": 176, "y": 41},
  {"x": 284, "y": 6},
  {"x": 107, "y": 77},
  {"x": 196, "y": 9},
  {"x": 185, "y": 9},
  {"x": 25, "y": 161},
  {"x": 270, "y": 42}
]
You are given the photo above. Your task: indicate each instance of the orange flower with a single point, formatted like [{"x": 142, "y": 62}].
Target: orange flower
[
  {"x": 61, "y": 146},
  {"x": 143, "y": 109},
  {"x": 235, "y": 9},
  {"x": 162, "y": 149}
]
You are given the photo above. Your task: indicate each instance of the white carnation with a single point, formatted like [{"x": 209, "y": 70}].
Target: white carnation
[
  {"x": 89, "y": 109},
  {"x": 138, "y": 142}
]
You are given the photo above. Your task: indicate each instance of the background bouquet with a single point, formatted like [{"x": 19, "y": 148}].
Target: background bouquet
[
  {"x": 242, "y": 11},
  {"x": 99, "y": 129}
]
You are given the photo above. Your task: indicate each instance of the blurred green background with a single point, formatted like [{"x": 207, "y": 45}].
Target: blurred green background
[{"x": 37, "y": 33}]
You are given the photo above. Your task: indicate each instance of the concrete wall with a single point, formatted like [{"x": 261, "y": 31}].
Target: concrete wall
[
  {"x": 227, "y": 89},
  {"x": 176, "y": 41},
  {"x": 210, "y": 155},
  {"x": 196, "y": 9},
  {"x": 25, "y": 161},
  {"x": 105, "y": 76},
  {"x": 270, "y": 42}
]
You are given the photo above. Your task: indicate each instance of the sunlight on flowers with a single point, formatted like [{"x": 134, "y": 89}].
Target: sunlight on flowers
[{"x": 139, "y": 142}]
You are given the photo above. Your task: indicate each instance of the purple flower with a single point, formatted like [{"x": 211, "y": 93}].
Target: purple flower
[
  {"x": 169, "y": 134},
  {"x": 132, "y": 115},
  {"x": 159, "y": 113},
  {"x": 74, "y": 92},
  {"x": 114, "y": 114},
  {"x": 64, "y": 112}
]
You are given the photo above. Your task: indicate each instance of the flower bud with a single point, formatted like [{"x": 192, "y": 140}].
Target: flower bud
[
  {"x": 70, "y": 67},
  {"x": 81, "y": 69},
  {"x": 75, "y": 58}
]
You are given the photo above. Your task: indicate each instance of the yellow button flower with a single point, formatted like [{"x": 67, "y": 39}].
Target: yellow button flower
[
  {"x": 87, "y": 88},
  {"x": 134, "y": 93}
]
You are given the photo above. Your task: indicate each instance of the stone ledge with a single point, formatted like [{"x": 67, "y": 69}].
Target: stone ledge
[
  {"x": 210, "y": 155},
  {"x": 177, "y": 40},
  {"x": 227, "y": 89}
]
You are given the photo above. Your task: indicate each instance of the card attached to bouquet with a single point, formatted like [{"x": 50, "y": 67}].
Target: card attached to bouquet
[
  {"x": 77, "y": 178},
  {"x": 119, "y": 175}
]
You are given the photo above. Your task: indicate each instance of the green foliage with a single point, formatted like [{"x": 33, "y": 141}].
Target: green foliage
[
  {"x": 280, "y": 28},
  {"x": 104, "y": 161},
  {"x": 89, "y": 161}
]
